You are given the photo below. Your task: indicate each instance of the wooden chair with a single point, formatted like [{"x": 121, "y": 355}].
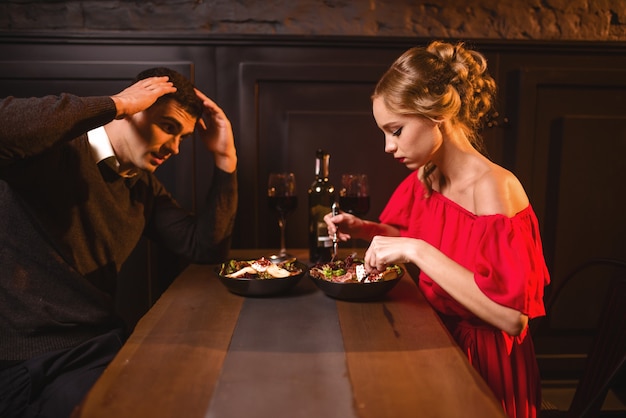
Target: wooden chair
[{"x": 607, "y": 352}]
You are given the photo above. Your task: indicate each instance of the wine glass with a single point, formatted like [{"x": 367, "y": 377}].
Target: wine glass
[
  {"x": 354, "y": 195},
  {"x": 281, "y": 197}
]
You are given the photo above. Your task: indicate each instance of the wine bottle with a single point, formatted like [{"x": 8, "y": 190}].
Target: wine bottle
[{"x": 321, "y": 197}]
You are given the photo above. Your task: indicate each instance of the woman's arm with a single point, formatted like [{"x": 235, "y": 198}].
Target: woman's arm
[{"x": 455, "y": 279}]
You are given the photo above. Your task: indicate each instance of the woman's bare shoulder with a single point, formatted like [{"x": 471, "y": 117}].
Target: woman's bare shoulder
[{"x": 498, "y": 191}]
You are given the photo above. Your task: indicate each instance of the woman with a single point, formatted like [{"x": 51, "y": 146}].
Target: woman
[{"x": 464, "y": 221}]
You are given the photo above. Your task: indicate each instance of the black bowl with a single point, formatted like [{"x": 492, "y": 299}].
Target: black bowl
[
  {"x": 261, "y": 287},
  {"x": 352, "y": 291}
]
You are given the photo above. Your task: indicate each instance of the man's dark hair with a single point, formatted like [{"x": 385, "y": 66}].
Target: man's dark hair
[{"x": 185, "y": 93}]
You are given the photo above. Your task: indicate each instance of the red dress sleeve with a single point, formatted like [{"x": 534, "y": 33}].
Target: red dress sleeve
[
  {"x": 509, "y": 265},
  {"x": 398, "y": 210},
  {"x": 505, "y": 254}
]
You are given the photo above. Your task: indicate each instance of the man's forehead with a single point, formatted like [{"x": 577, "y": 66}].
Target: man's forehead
[{"x": 172, "y": 109}]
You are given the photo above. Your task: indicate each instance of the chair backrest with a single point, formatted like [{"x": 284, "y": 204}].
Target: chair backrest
[{"x": 607, "y": 354}]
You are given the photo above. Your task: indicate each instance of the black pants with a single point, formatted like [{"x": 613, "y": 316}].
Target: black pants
[{"x": 51, "y": 385}]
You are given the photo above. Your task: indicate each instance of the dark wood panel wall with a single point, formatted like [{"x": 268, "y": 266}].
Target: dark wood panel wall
[{"x": 559, "y": 126}]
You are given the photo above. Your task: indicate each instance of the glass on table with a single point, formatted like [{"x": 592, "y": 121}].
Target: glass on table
[
  {"x": 354, "y": 194},
  {"x": 282, "y": 198}
]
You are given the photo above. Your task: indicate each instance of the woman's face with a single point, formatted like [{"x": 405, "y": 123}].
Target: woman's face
[
  {"x": 413, "y": 140},
  {"x": 156, "y": 134}
]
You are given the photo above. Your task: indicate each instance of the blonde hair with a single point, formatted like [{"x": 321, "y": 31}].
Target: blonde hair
[{"x": 440, "y": 81}]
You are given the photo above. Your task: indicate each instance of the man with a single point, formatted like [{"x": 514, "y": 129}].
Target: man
[{"x": 77, "y": 192}]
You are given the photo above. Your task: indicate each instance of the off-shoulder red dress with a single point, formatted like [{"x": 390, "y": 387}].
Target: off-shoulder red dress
[{"x": 507, "y": 259}]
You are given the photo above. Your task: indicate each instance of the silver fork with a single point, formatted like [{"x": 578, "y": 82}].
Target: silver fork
[{"x": 334, "y": 209}]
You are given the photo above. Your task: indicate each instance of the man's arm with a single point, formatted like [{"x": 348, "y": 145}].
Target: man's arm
[
  {"x": 30, "y": 126},
  {"x": 203, "y": 237}
]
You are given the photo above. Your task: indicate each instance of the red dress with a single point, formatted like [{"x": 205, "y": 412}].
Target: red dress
[{"x": 506, "y": 257}]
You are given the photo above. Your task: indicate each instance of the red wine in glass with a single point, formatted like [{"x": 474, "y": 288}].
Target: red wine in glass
[
  {"x": 356, "y": 205},
  {"x": 354, "y": 196},
  {"x": 281, "y": 197},
  {"x": 284, "y": 205}
]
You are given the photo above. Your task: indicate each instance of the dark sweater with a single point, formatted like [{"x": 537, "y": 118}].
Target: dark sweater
[{"x": 67, "y": 226}]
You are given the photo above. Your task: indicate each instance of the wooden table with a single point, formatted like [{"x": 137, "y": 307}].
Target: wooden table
[{"x": 202, "y": 351}]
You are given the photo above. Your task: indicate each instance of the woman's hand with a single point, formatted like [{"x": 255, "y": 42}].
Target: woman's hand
[
  {"x": 349, "y": 226},
  {"x": 384, "y": 251},
  {"x": 216, "y": 132},
  {"x": 344, "y": 224}
]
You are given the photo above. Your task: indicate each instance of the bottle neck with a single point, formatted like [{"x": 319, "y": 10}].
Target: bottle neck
[{"x": 322, "y": 168}]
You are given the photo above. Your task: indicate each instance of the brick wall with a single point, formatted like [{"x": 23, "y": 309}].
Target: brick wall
[{"x": 582, "y": 20}]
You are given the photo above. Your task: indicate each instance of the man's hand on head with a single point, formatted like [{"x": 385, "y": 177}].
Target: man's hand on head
[
  {"x": 141, "y": 95},
  {"x": 216, "y": 132}
]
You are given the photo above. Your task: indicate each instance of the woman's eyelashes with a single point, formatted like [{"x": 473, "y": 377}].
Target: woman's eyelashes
[{"x": 397, "y": 132}]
